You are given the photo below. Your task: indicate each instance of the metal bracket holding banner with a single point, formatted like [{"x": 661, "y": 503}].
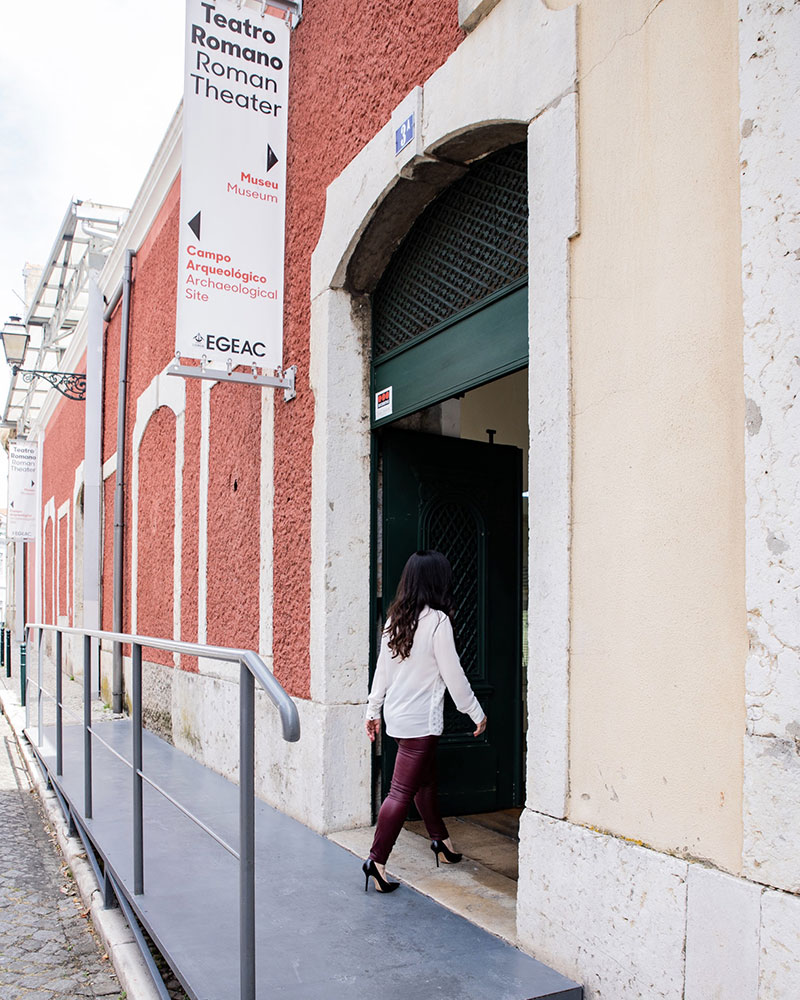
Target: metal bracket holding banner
[
  {"x": 293, "y": 8},
  {"x": 285, "y": 381}
]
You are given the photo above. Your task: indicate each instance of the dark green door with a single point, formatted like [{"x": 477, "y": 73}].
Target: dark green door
[{"x": 464, "y": 498}]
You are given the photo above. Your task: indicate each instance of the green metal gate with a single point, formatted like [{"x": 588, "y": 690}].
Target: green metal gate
[{"x": 449, "y": 314}]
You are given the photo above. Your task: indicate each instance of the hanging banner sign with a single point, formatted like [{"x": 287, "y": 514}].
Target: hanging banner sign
[
  {"x": 23, "y": 463},
  {"x": 233, "y": 186}
]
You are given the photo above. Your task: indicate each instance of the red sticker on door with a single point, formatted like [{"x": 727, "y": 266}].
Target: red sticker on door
[{"x": 383, "y": 403}]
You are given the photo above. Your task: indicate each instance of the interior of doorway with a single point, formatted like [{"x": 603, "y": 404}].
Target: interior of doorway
[{"x": 497, "y": 412}]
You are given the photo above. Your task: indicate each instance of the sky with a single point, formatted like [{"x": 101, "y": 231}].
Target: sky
[{"x": 87, "y": 90}]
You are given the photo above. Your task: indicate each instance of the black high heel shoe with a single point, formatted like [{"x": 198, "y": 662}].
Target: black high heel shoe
[
  {"x": 370, "y": 870},
  {"x": 451, "y": 857}
]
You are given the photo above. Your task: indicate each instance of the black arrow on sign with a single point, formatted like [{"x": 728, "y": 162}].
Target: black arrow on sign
[
  {"x": 272, "y": 159},
  {"x": 194, "y": 225},
  {"x": 32, "y": 483}
]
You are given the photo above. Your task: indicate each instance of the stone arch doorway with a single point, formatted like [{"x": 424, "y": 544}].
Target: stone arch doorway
[
  {"x": 371, "y": 206},
  {"x": 449, "y": 315}
]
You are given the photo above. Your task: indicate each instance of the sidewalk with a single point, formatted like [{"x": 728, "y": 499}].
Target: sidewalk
[
  {"x": 48, "y": 949},
  {"x": 56, "y": 940}
]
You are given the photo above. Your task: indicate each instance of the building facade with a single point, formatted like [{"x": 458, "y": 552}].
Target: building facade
[{"x": 579, "y": 284}]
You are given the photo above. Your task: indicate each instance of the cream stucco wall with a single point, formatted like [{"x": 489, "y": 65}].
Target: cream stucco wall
[{"x": 658, "y": 639}]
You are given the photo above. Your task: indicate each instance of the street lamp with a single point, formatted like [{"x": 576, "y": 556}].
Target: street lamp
[
  {"x": 14, "y": 336},
  {"x": 15, "y": 339}
]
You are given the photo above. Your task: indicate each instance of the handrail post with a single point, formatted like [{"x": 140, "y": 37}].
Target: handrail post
[
  {"x": 87, "y": 724},
  {"x": 138, "y": 820},
  {"x": 8, "y": 652},
  {"x": 3, "y": 662},
  {"x": 40, "y": 692},
  {"x": 59, "y": 700},
  {"x": 251, "y": 668},
  {"x": 247, "y": 832},
  {"x": 23, "y": 681}
]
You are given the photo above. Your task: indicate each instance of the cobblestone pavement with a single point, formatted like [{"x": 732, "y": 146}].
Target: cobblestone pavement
[{"x": 47, "y": 948}]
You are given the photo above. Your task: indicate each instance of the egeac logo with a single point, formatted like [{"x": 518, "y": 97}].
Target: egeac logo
[{"x": 232, "y": 345}]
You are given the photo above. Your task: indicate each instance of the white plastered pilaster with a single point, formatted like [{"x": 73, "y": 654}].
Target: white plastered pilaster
[
  {"x": 177, "y": 550},
  {"x": 38, "y": 573},
  {"x": 340, "y": 506},
  {"x": 202, "y": 514},
  {"x": 77, "y": 556},
  {"x": 267, "y": 492},
  {"x": 553, "y": 200}
]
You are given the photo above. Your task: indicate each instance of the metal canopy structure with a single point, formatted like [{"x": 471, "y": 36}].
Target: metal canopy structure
[{"x": 85, "y": 238}]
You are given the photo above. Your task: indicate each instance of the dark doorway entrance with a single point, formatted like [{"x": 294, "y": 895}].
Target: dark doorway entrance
[
  {"x": 464, "y": 498},
  {"x": 449, "y": 353}
]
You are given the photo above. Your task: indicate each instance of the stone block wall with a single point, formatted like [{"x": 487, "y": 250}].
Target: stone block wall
[
  {"x": 629, "y": 922},
  {"x": 770, "y": 191}
]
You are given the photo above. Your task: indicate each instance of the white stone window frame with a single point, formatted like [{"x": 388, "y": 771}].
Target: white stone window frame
[
  {"x": 49, "y": 514},
  {"x": 163, "y": 390},
  {"x": 62, "y": 514},
  {"x": 518, "y": 66}
]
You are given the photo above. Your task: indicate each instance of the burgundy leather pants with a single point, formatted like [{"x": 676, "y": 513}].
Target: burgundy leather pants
[{"x": 414, "y": 778}]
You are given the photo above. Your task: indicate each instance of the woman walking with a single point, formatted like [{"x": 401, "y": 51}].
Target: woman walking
[{"x": 417, "y": 661}]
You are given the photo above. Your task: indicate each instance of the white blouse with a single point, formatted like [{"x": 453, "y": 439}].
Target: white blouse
[{"x": 411, "y": 691}]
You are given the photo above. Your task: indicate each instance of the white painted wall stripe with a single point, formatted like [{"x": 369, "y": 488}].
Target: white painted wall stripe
[
  {"x": 77, "y": 551},
  {"x": 110, "y": 466},
  {"x": 48, "y": 515},
  {"x": 177, "y": 551},
  {"x": 202, "y": 514},
  {"x": 267, "y": 495}
]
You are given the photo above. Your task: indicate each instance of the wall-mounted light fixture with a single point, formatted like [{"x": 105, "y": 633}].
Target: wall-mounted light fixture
[{"x": 15, "y": 338}]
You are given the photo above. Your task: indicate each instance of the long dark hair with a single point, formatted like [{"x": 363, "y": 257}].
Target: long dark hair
[{"x": 426, "y": 581}]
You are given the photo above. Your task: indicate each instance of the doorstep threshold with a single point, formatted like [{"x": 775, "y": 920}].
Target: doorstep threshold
[{"x": 484, "y": 897}]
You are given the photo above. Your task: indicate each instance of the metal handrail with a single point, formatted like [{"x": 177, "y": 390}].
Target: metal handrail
[
  {"x": 251, "y": 668},
  {"x": 124, "y": 760}
]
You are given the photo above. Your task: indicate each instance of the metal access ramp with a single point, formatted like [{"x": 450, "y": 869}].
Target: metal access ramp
[{"x": 318, "y": 935}]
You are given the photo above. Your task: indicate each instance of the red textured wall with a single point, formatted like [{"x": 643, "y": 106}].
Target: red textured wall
[
  {"x": 48, "y": 598},
  {"x": 151, "y": 345},
  {"x": 155, "y": 597},
  {"x": 233, "y": 516},
  {"x": 62, "y": 454},
  {"x": 64, "y": 528},
  {"x": 352, "y": 62}
]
